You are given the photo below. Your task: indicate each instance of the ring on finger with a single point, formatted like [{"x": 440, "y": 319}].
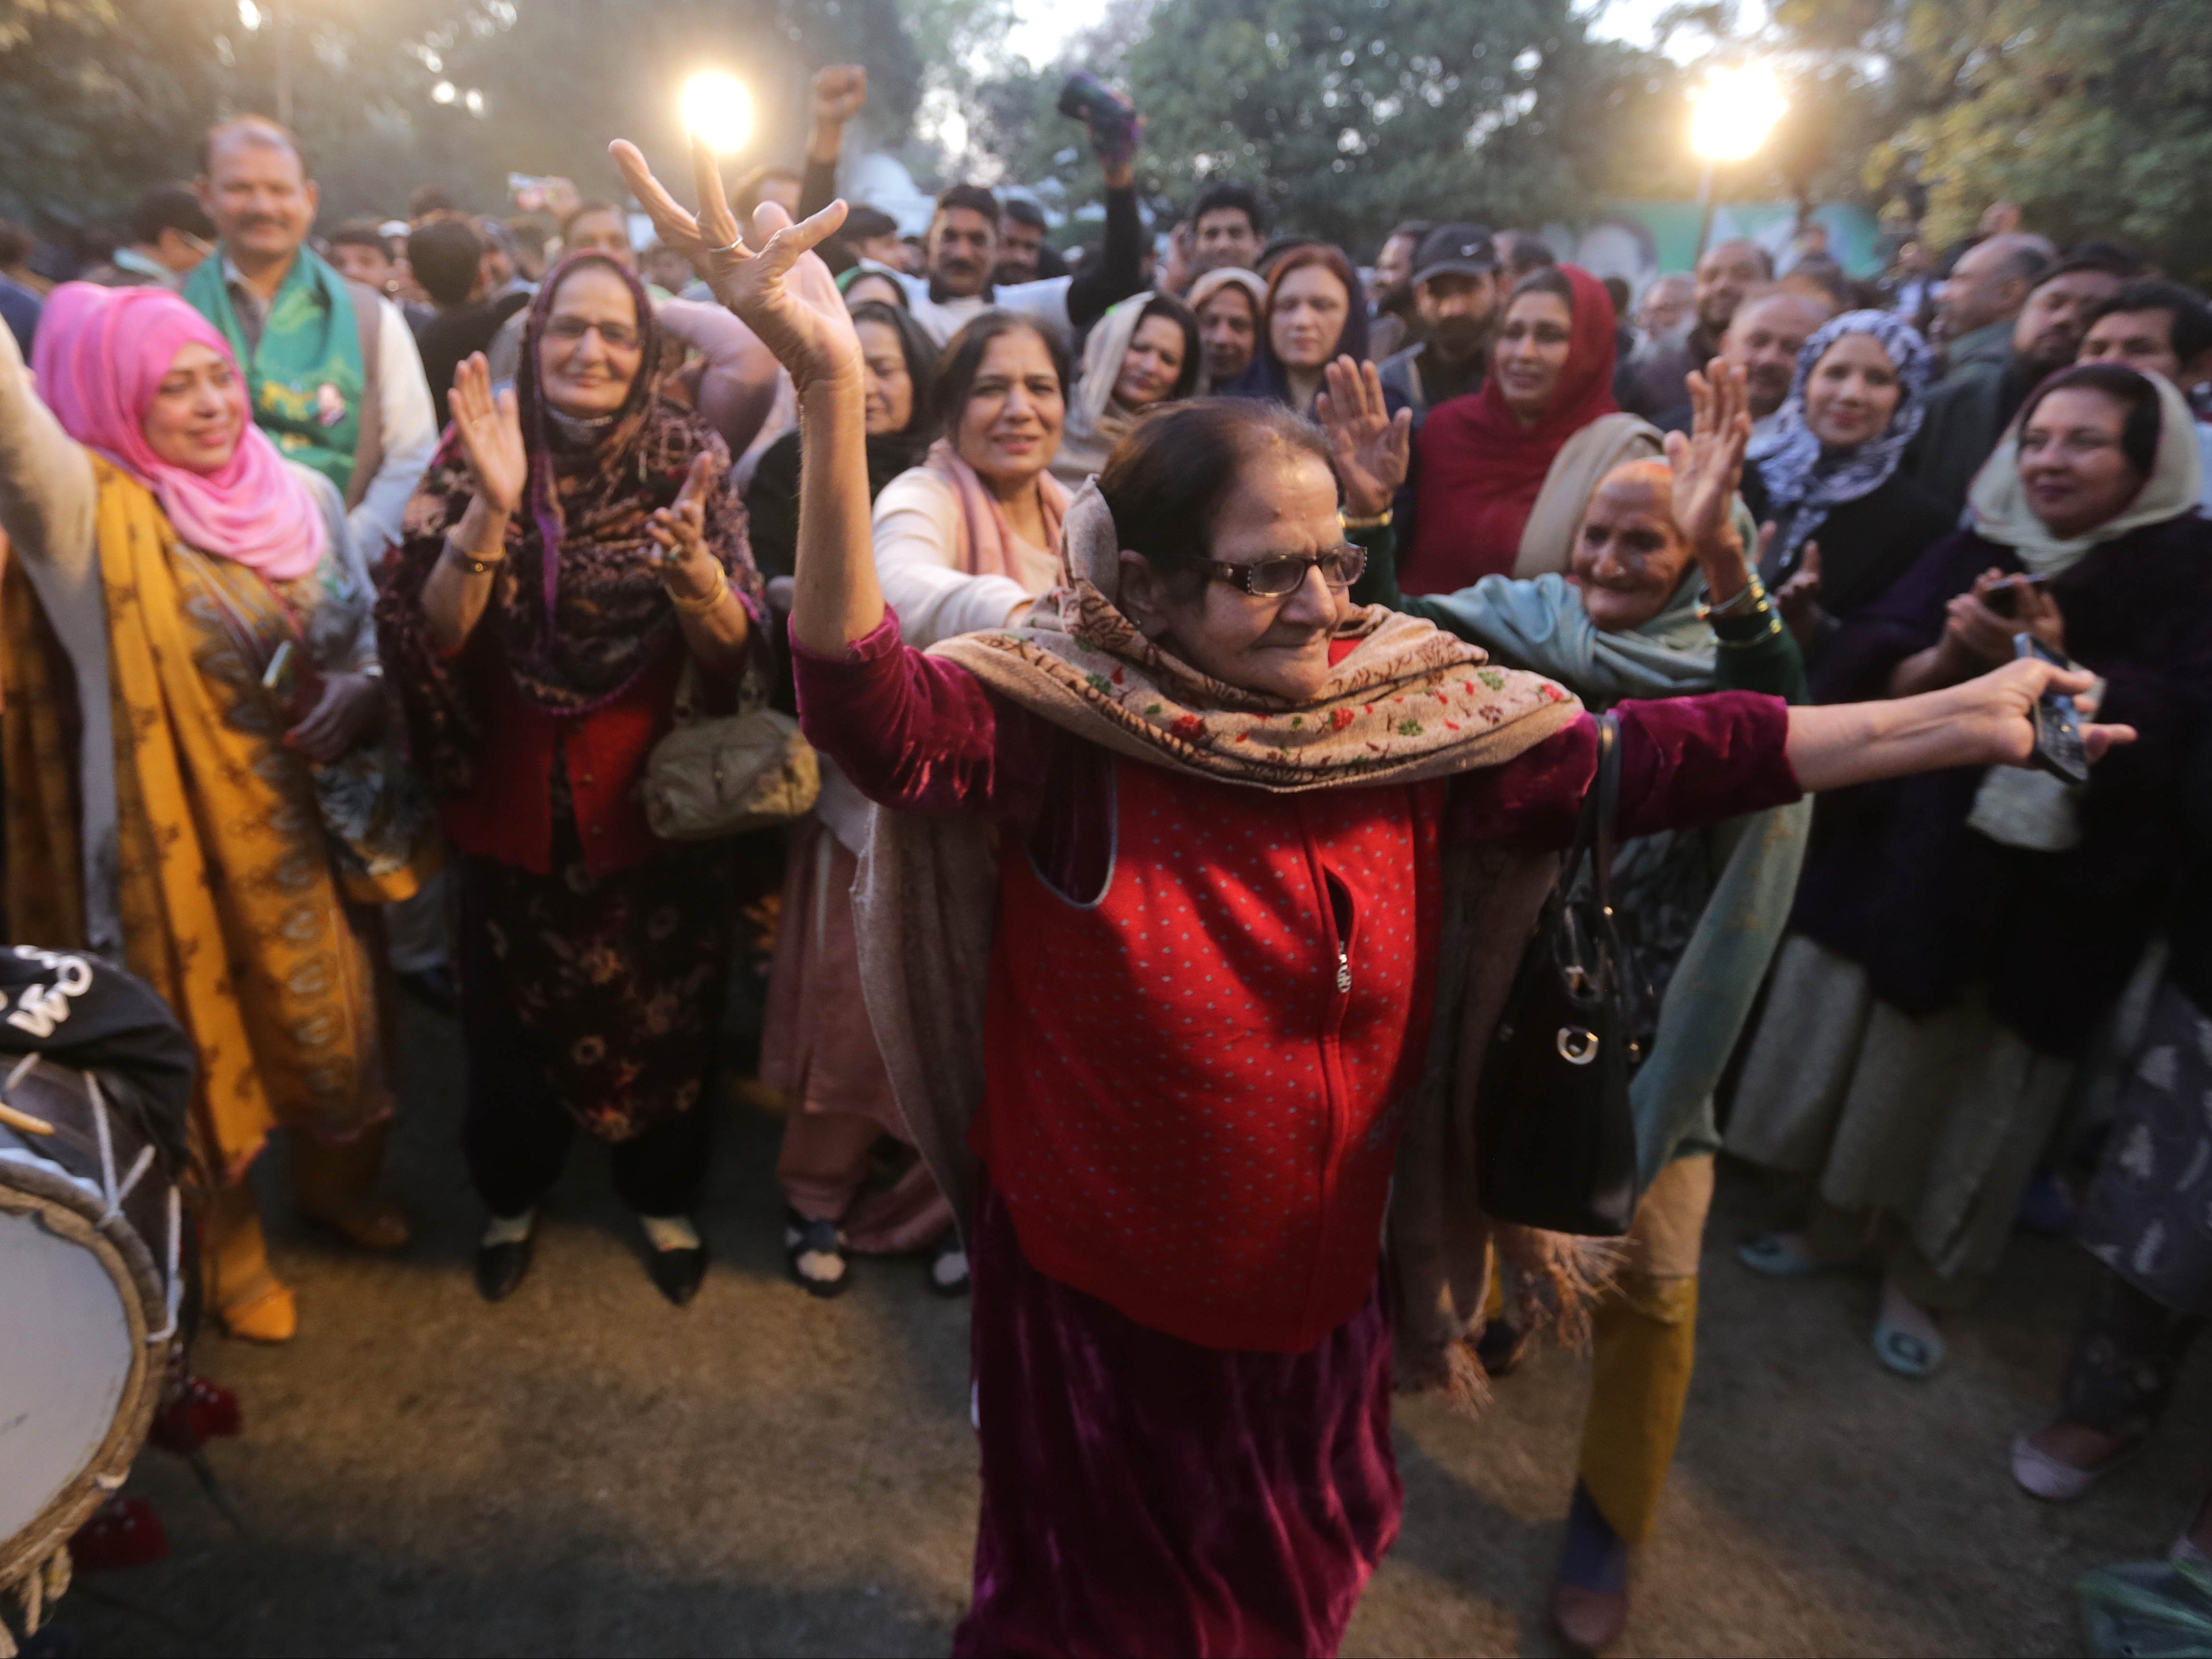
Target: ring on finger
[{"x": 731, "y": 248}]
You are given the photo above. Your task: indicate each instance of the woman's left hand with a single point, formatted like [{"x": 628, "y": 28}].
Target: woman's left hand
[
  {"x": 1708, "y": 463},
  {"x": 1371, "y": 450},
  {"x": 684, "y": 564},
  {"x": 1998, "y": 710},
  {"x": 350, "y": 707}
]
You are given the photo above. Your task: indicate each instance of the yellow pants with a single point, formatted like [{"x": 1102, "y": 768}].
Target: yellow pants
[{"x": 1644, "y": 1335}]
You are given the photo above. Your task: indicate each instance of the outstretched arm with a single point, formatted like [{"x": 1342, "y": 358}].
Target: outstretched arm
[{"x": 790, "y": 301}]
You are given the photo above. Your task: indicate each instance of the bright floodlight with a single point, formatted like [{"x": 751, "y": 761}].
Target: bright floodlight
[
  {"x": 1732, "y": 113},
  {"x": 717, "y": 108}
]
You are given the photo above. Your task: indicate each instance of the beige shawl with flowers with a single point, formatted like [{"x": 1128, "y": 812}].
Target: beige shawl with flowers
[{"x": 1408, "y": 703}]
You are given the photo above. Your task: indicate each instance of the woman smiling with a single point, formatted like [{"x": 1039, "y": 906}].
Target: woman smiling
[
  {"x": 1314, "y": 314},
  {"x": 1143, "y": 353},
  {"x": 1154, "y": 943},
  {"x": 1506, "y": 473}
]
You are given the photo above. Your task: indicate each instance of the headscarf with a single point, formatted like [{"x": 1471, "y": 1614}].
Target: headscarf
[
  {"x": 1998, "y": 502},
  {"x": 1805, "y": 480},
  {"x": 1482, "y": 471},
  {"x": 1267, "y": 377},
  {"x": 1254, "y": 286},
  {"x": 852, "y": 274},
  {"x": 987, "y": 540},
  {"x": 101, "y": 353},
  {"x": 1097, "y": 419},
  {"x": 579, "y": 611}
]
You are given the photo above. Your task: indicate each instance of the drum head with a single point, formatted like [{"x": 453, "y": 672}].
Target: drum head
[{"x": 71, "y": 1355}]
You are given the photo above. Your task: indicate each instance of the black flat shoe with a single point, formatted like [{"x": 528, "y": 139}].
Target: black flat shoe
[
  {"x": 501, "y": 1268},
  {"x": 814, "y": 1256},
  {"x": 678, "y": 1273}
]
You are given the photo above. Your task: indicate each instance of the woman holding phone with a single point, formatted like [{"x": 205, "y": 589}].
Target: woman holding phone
[{"x": 1920, "y": 1035}]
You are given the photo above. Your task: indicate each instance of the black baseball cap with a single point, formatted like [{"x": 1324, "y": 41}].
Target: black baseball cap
[{"x": 1455, "y": 250}]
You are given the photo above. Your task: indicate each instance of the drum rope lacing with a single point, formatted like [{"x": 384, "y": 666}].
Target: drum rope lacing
[{"x": 115, "y": 1193}]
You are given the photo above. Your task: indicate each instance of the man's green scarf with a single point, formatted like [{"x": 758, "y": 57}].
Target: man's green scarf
[{"x": 306, "y": 377}]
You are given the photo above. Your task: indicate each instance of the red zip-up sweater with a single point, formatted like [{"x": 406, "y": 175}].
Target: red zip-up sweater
[{"x": 1186, "y": 1115}]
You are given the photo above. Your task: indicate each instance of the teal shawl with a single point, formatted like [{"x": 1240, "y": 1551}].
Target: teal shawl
[
  {"x": 1539, "y": 624},
  {"x": 305, "y": 377}
]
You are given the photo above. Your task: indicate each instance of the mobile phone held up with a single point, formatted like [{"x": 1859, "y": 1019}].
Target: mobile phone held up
[
  {"x": 2003, "y": 599},
  {"x": 1113, "y": 122},
  {"x": 2059, "y": 748}
]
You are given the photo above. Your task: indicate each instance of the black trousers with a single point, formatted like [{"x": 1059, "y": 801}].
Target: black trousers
[{"x": 516, "y": 1131}]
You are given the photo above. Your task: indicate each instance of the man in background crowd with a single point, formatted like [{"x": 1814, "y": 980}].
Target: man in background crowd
[
  {"x": 1227, "y": 228},
  {"x": 360, "y": 253},
  {"x": 1976, "y": 304},
  {"x": 1394, "y": 328},
  {"x": 1968, "y": 410},
  {"x": 447, "y": 257},
  {"x": 1454, "y": 291},
  {"x": 330, "y": 368},
  {"x": 1023, "y": 255},
  {"x": 1726, "y": 272},
  {"x": 873, "y": 235},
  {"x": 1763, "y": 339},
  {"x": 170, "y": 233},
  {"x": 1519, "y": 253}
]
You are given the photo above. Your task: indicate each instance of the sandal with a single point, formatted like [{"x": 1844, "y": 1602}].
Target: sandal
[
  {"x": 814, "y": 1253},
  {"x": 948, "y": 1266},
  {"x": 1907, "y": 1352},
  {"x": 2056, "y": 1481},
  {"x": 1767, "y": 1254}
]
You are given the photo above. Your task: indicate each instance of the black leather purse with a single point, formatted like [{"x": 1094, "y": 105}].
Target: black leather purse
[{"x": 1555, "y": 1140}]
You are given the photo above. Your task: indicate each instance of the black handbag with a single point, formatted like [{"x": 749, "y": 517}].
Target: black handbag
[{"x": 1555, "y": 1142}]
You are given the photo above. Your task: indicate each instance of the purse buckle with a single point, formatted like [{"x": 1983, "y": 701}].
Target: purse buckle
[{"x": 1577, "y": 1044}]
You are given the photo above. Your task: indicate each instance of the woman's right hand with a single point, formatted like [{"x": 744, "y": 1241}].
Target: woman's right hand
[
  {"x": 491, "y": 430},
  {"x": 779, "y": 291},
  {"x": 1975, "y": 637},
  {"x": 1371, "y": 450}
]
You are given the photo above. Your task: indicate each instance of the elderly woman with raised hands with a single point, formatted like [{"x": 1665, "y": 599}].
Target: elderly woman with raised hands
[
  {"x": 1662, "y": 603},
  {"x": 1848, "y": 520},
  {"x": 1127, "y": 1065},
  {"x": 1958, "y": 938},
  {"x": 195, "y": 785},
  {"x": 1504, "y": 474},
  {"x": 574, "y": 558},
  {"x": 1144, "y": 352}
]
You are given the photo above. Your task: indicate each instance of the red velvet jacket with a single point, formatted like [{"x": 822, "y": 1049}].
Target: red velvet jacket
[{"x": 1219, "y": 1173}]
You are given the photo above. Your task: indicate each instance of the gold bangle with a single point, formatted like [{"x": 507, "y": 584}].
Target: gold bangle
[
  {"x": 1376, "y": 522},
  {"x": 700, "y": 606},
  {"x": 469, "y": 561}
]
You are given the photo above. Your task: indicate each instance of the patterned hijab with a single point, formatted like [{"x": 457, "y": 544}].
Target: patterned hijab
[
  {"x": 579, "y": 609},
  {"x": 1805, "y": 480}
]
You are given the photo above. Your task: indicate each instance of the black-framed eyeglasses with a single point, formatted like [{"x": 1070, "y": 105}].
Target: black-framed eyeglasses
[{"x": 1275, "y": 575}]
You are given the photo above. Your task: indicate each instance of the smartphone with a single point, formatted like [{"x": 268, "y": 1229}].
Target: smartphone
[
  {"x": 2058, "y": 749},
  {"x": 2004, "y": 598},
  {"x": 1084, "y": 97}
]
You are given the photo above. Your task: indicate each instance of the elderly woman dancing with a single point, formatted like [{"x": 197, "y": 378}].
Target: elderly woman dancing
[
  {"x": 195, "y": 788},
  {"x": 1167, "y": 1052},
  {"x": 576, "y": 553}
]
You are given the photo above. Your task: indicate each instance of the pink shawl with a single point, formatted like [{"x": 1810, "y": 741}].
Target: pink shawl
[
  {"x": 987, "y": 540},
  {"x": 101, "y": 355}
]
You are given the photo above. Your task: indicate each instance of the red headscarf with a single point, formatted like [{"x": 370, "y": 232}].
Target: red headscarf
[{"x": 1481, "y": 470}]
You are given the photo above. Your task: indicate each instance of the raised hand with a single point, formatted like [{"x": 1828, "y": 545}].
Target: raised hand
[
  {"x": 1708, "y": 463},
  {"x": 680, "y": 528},
  {"x": 840, "y": 92},
  {"x": 490, "y": 431},
  {"x": 1799, "y": 599},
  {"x": 1370, "y": 449},
  {"x": 782, "y": 292}
]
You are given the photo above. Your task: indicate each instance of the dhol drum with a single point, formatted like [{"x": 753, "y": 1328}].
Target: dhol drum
[{"x": 92, "y": 1261}]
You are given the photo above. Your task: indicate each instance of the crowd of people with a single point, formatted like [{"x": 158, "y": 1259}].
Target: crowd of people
[{"x": 1202, "y": 656}]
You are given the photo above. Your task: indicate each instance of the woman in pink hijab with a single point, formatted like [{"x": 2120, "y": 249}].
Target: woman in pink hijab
[{"x": 193, "y": 729}]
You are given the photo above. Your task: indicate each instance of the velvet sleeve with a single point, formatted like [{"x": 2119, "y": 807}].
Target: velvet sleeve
[
  {"x": 922, "y": 734},
  {"x": 1685, "y": 762}
]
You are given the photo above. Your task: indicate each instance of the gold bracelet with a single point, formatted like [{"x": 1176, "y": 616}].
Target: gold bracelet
[
  {"x": 469, "y": 561},
  {"x": 700, "y": 606},
  {"x": 1376, "y": 522},
  {"x": 1746, "y": 601}
]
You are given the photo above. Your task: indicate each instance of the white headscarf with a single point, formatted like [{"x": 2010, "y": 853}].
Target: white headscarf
[{"x": 2001, "y": 512}]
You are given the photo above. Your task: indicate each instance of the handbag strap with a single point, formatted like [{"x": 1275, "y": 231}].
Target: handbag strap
[{"x": 1608, "y": 794}]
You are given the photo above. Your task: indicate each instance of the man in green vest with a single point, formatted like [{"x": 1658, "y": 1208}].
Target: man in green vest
[{"x": 329, "y": 365}]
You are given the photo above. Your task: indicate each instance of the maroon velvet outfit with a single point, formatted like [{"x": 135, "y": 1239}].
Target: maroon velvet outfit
[{"x": 1146, "y": 1490}]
